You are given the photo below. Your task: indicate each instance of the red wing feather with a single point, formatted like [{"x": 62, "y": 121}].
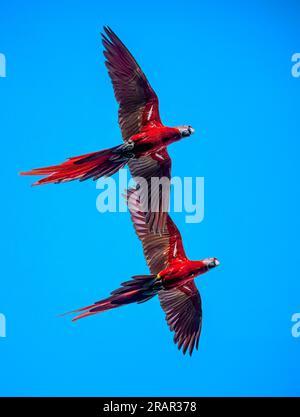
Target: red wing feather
[
  {"x": 155, "y": 197},
  {"x": 138, "y": 103},
  {"x": 159, "y": 249},
  {"x": 183, "y": 314}
]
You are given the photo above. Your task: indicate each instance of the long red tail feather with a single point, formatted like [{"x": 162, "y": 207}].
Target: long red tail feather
[
  {"x": 138, "y": 290},
  {"x": 92, "y": 165}
]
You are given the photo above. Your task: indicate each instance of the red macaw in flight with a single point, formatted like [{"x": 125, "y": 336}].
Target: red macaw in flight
[
  {"x": 172, "y": 279},
  {"x": 145, "y": 137}
]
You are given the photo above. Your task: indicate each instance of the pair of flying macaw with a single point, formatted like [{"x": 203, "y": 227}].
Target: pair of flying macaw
[{"x": 145, "y": 151}]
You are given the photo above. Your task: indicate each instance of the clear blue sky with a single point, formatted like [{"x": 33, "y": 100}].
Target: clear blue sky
[{"x": 224, "y": 68}]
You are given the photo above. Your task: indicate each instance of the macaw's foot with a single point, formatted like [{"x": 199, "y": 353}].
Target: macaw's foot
[
  {"x": 128, "y": 145},
  {"x": 125, "y": 150}
]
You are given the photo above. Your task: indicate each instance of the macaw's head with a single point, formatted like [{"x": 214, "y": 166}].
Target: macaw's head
[
  {"x": 211, "y": 262},
  {"x": 185, "y": 130}
]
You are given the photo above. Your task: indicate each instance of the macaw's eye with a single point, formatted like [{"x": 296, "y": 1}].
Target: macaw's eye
[
  {"x": 213, "y": 263},
  {"x": 185, "y": 132}
]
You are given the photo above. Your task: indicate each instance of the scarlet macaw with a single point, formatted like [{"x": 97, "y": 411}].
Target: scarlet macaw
[
  {"x": 172, "y": 279},
  {"x": 145, "y": 137}
]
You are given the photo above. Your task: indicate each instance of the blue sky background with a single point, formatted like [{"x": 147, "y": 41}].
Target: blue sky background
[{"x": 224, "y": 68}]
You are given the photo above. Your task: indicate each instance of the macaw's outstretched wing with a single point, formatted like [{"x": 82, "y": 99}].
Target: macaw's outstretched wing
[
  {"x": 153, "y": 174},
  {"x": 183, "y": 314},
  {"x": 138, "y": 103},
  {"x": 182, "y": 305},
  {"x": 159, "y": 249},
  {"x": 138, "y": 107}
]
